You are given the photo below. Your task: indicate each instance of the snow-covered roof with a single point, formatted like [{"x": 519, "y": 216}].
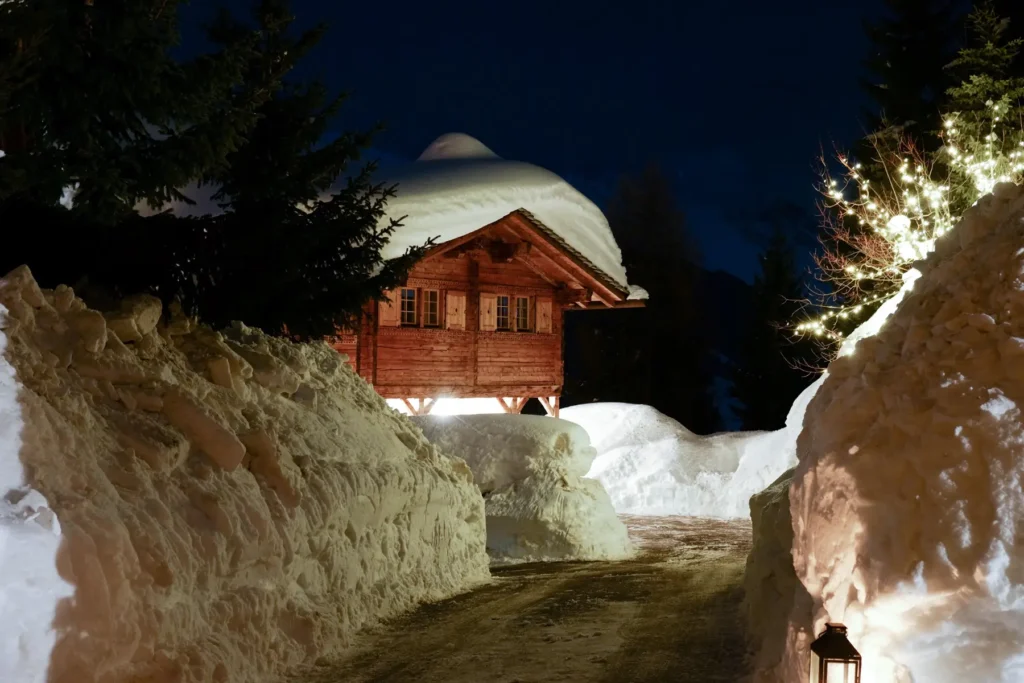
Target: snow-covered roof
[{"x": 458, "y": 185}]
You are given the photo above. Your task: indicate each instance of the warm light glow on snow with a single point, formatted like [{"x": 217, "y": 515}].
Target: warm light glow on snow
[
  {"x": 907, "y": 505},
  {"x": 453, "y": 406}
]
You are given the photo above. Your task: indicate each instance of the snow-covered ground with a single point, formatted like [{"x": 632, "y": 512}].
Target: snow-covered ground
[
  {"x": 230, "y": 506},
  {"x": 652, "y": 465},
  {"x": 530, "y": 470}
]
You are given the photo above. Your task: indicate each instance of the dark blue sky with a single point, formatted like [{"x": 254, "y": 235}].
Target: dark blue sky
[{"x": 734, "y": 98}]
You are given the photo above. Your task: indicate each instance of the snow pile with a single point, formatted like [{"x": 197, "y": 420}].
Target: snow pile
[
  {"x": 778, "y": 605},
  {"x": 907, "y": 504},
  {"x": 652, "y": 465},
  {"x": 231, "y": 505},
  {"x": 30, "y": 587},
  {"x": 531, "y": 469}
]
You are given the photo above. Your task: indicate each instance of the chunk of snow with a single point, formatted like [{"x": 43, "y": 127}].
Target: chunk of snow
[
  {"x": 637, "y": 293},
  {"x": 232, "y": 505},
  {"x": 531, "y": 469},
  {"x": 652, "y": 465},
  {"x": 907, "y": 504},
  {"x": 30, "y": 535}
]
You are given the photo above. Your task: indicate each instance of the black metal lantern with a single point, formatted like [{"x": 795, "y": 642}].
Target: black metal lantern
[{"x": 833, "y": 658}]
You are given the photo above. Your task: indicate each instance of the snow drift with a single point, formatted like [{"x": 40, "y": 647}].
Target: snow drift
[
  {"x": 907, "y": 503},
  {"x": 231, "y": 505},
  {"x": 652, "y": 465},
  {"x": 530, "y": 469},
  {"x": 30, "y": 586}
]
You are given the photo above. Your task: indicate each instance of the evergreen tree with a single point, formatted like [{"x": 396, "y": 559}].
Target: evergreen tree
[
  {"x": 108, "y": 110},
  {"x": 651, "y": 231},
  {"x": 1013, "y": 10},
  {"x": 99, "y": 116},
  {"x": 911, "y": 45},
  {"x": 984, "y": 67},
  {"x": 296, "y": 248},
  {"x": 773, "y": 366}
]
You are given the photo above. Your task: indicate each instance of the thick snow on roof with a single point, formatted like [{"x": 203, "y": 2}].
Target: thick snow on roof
[{"x": 458, "y": 185}]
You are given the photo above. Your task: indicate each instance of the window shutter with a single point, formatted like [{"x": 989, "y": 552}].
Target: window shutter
[
  {"x": 488, "y": 312},
  {"x": 387, "y": 310},
  {"x": 455, "y": 311},
  {"x": 544, "y": 316}
]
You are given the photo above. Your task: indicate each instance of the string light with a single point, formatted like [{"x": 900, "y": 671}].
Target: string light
[{"x": 916, "y": 209}]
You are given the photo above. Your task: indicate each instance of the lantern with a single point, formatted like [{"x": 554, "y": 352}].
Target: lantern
[{"x": 833, "y": 658}]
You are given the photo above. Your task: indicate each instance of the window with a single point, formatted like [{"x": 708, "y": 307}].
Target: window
[
  {"x": 408, "y": 306},
  {"x": 431, "y": 308},
  {"x": 523, "y": 313},
  {"x": 503, "y": 313}
]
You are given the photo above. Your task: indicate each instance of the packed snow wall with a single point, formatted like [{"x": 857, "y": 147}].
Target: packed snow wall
[
  {"x": 530, "y": 470},
  {"x": 907, "y": 503},
  {"x": 231, "y": 505},
  {"x": 779, "y": 609}
]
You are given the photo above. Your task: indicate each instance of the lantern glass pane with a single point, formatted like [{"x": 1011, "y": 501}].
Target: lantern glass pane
[
  {"x": 839, "y": 672},
  {"x": 815, "y": 667}
]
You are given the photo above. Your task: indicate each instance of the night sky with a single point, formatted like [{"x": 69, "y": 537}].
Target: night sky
[{"x": 734, "y": 98}]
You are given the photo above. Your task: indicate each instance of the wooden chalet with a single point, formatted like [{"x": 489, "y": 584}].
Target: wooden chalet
[{"x": 480, "y": 316}]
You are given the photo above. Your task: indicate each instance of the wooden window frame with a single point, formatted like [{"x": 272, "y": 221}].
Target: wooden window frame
[
  {"x": 507, "y": 327},
  {"x": 424, "y": 322},
  {"x": 529, "y": 311},
  {"x": 415, "y": 307}
]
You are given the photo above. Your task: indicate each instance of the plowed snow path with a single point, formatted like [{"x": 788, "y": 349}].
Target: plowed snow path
[{"x": 672, "y": 614}]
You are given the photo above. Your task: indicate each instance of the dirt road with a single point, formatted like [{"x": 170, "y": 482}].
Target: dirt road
[{"x": 671, "y": 615}]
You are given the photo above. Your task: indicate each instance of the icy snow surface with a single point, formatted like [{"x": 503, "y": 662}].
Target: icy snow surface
[
  {"x": 30, "y": 587},
  {"x": 232, "y": 505},
  {"x": 652, "y": 465},
  {"x": 531, "y": 469},
  {"x": 907, "y": 503}
]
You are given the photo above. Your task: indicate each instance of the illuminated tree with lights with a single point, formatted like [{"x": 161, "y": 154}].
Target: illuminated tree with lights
[{"x": 876, "y": 228}]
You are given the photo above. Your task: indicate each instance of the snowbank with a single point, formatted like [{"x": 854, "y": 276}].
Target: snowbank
[
  {"x": 652, "y": 465},
  {"x": 779, "y": 609},
  {"x": 231, "y": 505},
  {"x": 907, "y": 503},
  {"x": 539, "y": 505},
  {"x": 30, "y": 587}
]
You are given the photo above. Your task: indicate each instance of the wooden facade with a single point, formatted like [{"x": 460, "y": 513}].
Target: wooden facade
[{"x": 479, "y": 316}]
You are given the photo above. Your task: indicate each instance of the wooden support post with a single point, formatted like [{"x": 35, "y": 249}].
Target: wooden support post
[
  {"x": 423, "y": 406},
  {"x": 548, "y": 408},
  {"x": 551, "y": 405},
  {"x": 504, "y": 406},
  {"x": 519, "y": 403}
]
